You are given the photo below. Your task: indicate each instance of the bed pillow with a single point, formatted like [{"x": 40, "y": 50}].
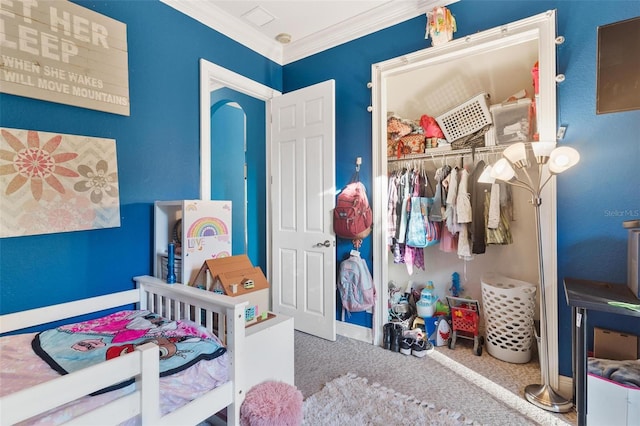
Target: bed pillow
[{"x": 75, "y": 346}]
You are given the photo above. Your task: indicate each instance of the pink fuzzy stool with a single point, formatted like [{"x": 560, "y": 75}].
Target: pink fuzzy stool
[{"x": 272, "y": 403}]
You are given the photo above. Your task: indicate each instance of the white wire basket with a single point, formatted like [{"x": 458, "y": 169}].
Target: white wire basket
[
  {"x": 508, "y": 311},
  {"x": 465, "y": 119}
]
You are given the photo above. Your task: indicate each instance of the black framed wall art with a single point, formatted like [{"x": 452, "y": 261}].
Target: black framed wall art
[{"x": 618, "y": 72}]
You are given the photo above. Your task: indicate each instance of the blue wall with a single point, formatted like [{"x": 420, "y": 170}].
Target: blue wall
[
  {"x": 157, "y": 148},
  {"x": 225, "y": 155},
  {"x": 593, "y": 198},
  {"x": 227, "y": 166},
  {"x": 158, "y": 145}
]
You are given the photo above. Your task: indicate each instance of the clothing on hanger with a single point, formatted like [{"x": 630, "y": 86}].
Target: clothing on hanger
[
  {"x": 501, "y": 234},
  {"x": 463, "y": 199},
  {"x": 493, "y": 216},
  {"x": 478, "y": 192}
]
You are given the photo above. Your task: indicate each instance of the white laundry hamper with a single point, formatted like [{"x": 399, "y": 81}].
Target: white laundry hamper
[{"x": 509, "y": 306}]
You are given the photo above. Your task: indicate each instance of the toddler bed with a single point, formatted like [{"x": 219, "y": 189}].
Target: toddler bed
[{"x": 127, "y": 387}]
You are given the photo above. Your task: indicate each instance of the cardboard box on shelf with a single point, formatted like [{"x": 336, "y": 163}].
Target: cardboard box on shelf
[
  {"x": 610, "y": 344},
  {"x": 235, "y": 276}
]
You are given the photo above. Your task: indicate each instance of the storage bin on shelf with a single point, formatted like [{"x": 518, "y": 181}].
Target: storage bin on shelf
[
  {"x": 509, "y": 310},
  {"x": 465, "y": 119},
  {"x": 513, "y": 121}
]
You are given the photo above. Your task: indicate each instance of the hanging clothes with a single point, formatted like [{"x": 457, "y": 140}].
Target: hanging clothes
[
  {"x": 493, "y": 213},
  {"x": 413, "y": 257},
  {"x": 404, "y": 200},
  {"x": 478, "y": 194},
  {"x": 451, "y": 214},
  {"x": 463, "y": 199},
  {"x": 471, "y": 215},
  {"x": 392, "y": 204},
  {"x": 416, "y": 232},
  {"x": 448, "y": 241},
  {"x": 435, "y": 214},
  {"x": 413, "y": 253},
  {"x": 501, "y": 234},
  {"x": 464, "y": 243},
  {"x": 463, "y": 208},
  {"x": 398, "y": 252}
]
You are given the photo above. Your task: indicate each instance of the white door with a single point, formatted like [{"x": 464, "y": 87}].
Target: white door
[{"x": 303, "y": 255}]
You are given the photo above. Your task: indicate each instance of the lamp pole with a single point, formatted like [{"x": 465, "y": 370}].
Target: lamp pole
[
  {"x": 558, "y": 160},
  {"x": 543, "y": 395}
]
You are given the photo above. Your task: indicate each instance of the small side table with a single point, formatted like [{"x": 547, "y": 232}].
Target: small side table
[{"x": 584, "y": 295}]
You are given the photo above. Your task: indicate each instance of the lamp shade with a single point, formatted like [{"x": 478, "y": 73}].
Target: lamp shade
[
  {"x": 563, "y": 158},
  {"x": 502, "y": 170},
  {"x": 517, "y": 154},
  {"x": 542, "y": 150},
  {"x": 485, "y": 176}
]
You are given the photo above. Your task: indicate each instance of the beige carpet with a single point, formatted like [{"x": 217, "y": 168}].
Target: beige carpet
[{"x": 484, "y": 389}]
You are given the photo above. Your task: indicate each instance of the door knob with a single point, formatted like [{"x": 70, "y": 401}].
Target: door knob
[{"x": 326, "y": 243}]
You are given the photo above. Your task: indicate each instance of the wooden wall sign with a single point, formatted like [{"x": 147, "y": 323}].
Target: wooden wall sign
[{"x": 60, "y": 52}]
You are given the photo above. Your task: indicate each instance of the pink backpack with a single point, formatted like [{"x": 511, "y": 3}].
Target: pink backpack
[{"x": 352, "y": 217}]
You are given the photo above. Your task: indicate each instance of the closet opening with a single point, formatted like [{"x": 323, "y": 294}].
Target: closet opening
[{"x": 497, "y": 64}]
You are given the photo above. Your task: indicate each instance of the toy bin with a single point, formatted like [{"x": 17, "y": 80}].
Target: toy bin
[
  {"x": 465, "y": 322},
  {"x": 509, "y": 310}
]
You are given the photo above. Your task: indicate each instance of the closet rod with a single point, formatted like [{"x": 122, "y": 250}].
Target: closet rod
[{"x": 454, "y": 152}]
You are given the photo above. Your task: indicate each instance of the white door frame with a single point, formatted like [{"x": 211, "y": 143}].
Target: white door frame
[
  {"x": 213, "y": 77},
  {"x": 540, "y": 27}
]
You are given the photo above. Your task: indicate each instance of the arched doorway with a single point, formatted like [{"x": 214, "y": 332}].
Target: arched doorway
[{"x": 228, "y": 164}]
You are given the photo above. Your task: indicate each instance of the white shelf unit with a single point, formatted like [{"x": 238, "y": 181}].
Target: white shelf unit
[
  {"x": 205, "y": 233},
  {"x": 269, "y": 344}
]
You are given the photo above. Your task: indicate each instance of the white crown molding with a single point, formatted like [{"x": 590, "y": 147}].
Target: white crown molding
[
  {"x": 376, "y": 19},
  {"x": 381, "y": 17},
  {"x": 227, "y": 24}
]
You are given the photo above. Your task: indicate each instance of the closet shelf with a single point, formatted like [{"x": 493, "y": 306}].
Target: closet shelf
[{"x": 445, "y": 153}]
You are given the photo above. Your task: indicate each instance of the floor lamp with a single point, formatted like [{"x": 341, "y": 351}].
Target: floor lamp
[{"x": 557, "y": 160}]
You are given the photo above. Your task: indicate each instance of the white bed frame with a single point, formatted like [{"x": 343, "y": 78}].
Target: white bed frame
[{"x": 215, "y": 312}]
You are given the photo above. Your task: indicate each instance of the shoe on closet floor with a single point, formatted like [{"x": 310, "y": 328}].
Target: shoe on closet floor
[
  {"x": 420, "y": 348},
  {"x": 407, "y": 344},
  {"x": 387, "y": 335},
  {"x": 396, "y": 337}
]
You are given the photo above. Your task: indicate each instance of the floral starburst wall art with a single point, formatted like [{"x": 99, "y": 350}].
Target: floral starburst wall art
[{"x": 52, "y": 183}]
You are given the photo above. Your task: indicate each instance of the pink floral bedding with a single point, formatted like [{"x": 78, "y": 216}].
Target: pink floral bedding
[{"x": 21, "y": 368}]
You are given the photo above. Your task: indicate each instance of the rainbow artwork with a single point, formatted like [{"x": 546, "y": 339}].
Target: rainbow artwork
[{"x": 207, "y": 227}]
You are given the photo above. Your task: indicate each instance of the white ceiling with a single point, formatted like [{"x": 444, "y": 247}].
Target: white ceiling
[{"x": 314, "y": 25}]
